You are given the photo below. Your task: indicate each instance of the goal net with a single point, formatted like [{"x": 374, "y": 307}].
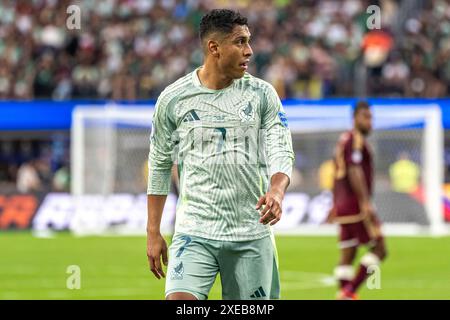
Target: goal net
[{"x": 110, "y": 147}]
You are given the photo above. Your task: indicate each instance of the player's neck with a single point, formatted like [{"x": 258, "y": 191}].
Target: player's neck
[
  {"x": 211, "y": 78},
  {"x": 364, "y": 135}
]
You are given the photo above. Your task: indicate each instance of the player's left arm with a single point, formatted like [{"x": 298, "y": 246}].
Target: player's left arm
[
  {"x": 353, "y": 158},
  {"x": 280, "y": 156}
]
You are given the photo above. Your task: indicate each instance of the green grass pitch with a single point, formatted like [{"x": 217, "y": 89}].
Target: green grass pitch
[{"x": 117, "y": 268}]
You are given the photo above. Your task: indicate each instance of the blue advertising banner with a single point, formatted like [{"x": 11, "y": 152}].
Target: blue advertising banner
[{"x": 57, "y": 115}]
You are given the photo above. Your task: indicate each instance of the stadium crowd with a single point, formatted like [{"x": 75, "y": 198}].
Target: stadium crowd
[
  {"x": 34, "y": 165},
  {"x": 131, "y": 49}
]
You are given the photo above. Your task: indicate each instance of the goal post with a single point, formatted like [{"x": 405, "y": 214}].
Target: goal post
[{"x": 434, "y": 169}]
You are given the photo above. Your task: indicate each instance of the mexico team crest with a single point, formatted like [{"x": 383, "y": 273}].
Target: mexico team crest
[
  {"x": 177, "y": 272},
  {"x": 247, "y": 113}
]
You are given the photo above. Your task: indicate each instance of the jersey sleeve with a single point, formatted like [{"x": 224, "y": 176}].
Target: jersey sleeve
[
  {"x": 353, "y": 149},
  {"x": 278, "y": 140},
  {"x": 160, "y": 159}
]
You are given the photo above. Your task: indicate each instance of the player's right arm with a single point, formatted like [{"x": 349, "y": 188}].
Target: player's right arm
[
  {"x": 160, "y": 163},
  {"x": 353, "y": 159},
  {"x": 156, "y": 245}
]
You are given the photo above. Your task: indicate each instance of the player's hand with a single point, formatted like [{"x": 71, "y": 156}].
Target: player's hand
[
  {"x": 271, "y": 213},
  {"x": 368, "y": 210},
  {"x": 331, "y": 215},
  {"x": 156, "y": 247}
]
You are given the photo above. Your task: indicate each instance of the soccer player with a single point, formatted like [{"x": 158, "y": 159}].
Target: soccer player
[
  {"x": 353, "y": 209},
  {"x": 215, "y": 123}
]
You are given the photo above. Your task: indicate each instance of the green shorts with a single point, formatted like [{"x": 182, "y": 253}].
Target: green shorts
[{"x": 248, "y": 269}]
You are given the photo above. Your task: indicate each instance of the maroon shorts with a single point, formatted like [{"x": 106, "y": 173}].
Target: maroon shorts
[{"x": 366, "y": 232}]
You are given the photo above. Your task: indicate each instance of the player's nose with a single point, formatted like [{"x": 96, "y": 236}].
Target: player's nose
[{"x": 248, "y": 52}]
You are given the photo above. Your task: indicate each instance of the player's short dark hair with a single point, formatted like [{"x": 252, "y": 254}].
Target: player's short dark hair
[
  {"x": 220, "y": 20},
  {"x": 360, "y": 105}
]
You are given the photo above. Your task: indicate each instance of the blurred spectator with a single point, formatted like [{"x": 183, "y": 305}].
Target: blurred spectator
[
  {"x": 326, "y": 175},
  {"x": 404, "y": 174},
  {"x": 44, "y": 80},
  {"x": 45, "y": 173},
  {"x": 61, "y": 180},
  {"x": 28, "y": 178},
  {"x": 7, "y": 162},
  {"x": 376, "y": 46},
  {"x": 395, "y": 74}
]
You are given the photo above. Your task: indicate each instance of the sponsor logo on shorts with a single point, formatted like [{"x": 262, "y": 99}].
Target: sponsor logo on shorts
[
  {"x": 177, "y": 272},
  {"x": 259, "y": 293}
]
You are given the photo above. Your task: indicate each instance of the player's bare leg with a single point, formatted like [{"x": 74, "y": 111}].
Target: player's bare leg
[
  {"x": 380, "y": 249},
  {"x": 181, "y": 296},
  {"x": 348, "y": 255},
  {"x": 372, "y": 258},
  {"x": 344, "y": 272}
]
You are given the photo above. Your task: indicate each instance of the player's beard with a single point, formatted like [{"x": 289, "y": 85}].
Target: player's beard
[
  {"x": 365, "y": 132},
  {"x": 231, "y": 71},
  {"x": 233, "y": 68},
  {"x": 236, "y": 71}
]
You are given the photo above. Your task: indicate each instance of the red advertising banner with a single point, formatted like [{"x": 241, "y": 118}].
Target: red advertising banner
[{"x": 18, "y": 210}]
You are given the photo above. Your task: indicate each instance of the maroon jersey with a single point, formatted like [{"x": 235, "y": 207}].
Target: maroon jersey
[{"x": 351, "y": 149}]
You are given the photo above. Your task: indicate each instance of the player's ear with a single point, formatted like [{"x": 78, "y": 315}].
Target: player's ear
[{"x": 213, "y": 48}]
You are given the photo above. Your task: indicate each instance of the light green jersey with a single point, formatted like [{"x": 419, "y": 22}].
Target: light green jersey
[{"x": 227, "y": 144}]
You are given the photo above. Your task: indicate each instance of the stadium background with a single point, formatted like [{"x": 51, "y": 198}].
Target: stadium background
[{"x": 126, "y": 52}]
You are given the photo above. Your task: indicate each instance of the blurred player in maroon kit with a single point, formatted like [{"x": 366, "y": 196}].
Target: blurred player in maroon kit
[{"x": 353, "y": 209}]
